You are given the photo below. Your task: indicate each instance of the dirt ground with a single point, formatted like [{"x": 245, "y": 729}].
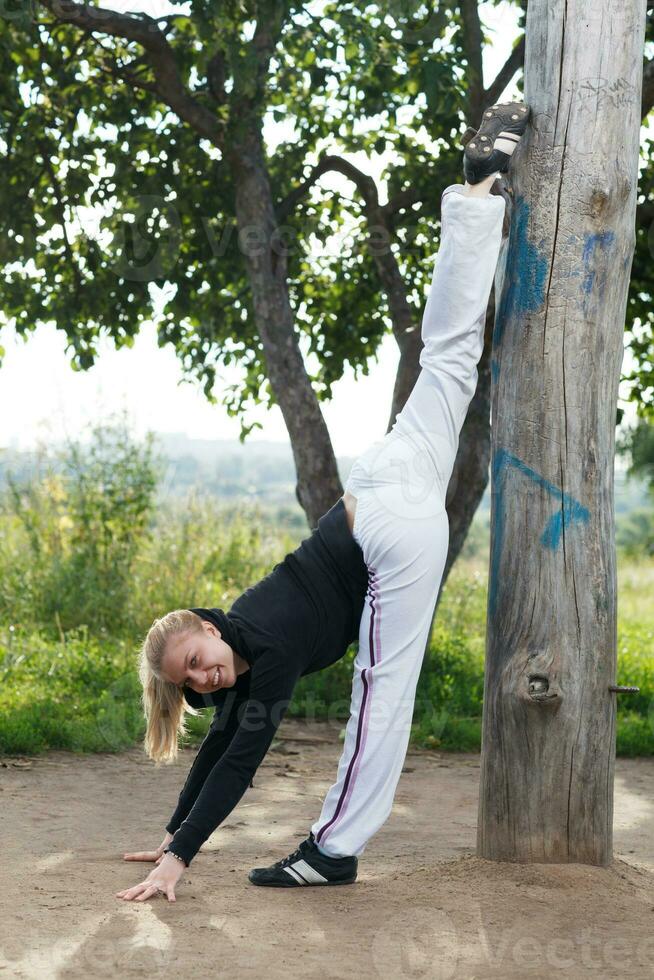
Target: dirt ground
[{"x": 423, "y": 906}]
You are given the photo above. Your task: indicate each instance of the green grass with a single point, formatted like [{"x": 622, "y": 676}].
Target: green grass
[
  {"x": 635, "y": 731},
  {"x": 79, "y": 693}
]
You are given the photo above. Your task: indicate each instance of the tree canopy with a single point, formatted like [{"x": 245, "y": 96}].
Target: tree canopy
[{"x": 207, "y": 141}]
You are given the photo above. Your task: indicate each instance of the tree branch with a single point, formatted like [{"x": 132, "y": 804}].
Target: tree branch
[
  {"x": 472, "y": 49},
  {"x": 216, "y": 77},
  {"x": 287, "y": 205},
  {"x": 515, "y": 61},
  {"x": 143, "y": 30},
  {"x": 403, "y": 199},
  {"x": 248, "y": 88},
  {"x": 365, "y": 184},
  {"x": 380, "y": 234},
  {"x": 123, "y": 75}
]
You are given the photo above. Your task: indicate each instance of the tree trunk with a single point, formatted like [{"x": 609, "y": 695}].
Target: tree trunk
[
  {"x": 549, "y": 718},
  {"x": 318, "y": 482},
  {"x": 470, "y": 474}
]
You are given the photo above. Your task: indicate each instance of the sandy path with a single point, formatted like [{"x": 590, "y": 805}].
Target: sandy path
[{"x": 423, "y": 906}]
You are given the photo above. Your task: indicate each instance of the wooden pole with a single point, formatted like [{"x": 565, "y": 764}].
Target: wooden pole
[{"x": 549, "y": 717}]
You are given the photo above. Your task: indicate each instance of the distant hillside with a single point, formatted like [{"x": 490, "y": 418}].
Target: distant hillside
[
  {"x": 260, "y": 471},
  {"x": 228, "y": 469}
]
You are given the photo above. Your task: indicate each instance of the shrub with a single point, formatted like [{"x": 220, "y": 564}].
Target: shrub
[
  {"x": 201, "y": 552},
  {"x": 72, "y": 533}
]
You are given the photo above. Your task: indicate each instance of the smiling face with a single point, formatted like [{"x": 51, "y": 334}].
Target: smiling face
[{"x": 202, "y": 660}]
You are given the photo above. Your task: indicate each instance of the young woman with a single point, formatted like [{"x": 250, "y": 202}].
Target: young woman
[{"x": 370, "y": 570}]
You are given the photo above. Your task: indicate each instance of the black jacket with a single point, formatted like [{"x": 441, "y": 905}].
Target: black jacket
[{"x": 298, "y": 619}]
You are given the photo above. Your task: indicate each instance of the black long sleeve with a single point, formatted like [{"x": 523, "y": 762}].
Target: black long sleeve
[
  {"x": 271, "y": 690},
  {"x": 223, "y": 728}
]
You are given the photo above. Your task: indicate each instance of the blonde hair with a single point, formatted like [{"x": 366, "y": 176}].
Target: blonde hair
[{"x": 163, "y": 701}]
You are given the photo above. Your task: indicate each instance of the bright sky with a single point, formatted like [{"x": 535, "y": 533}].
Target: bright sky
[{"x": 41, "y": 397}]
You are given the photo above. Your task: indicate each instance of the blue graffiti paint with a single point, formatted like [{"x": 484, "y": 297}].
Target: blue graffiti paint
[
  {"x": 602, "y": 240},
  {"x": 526, "y": 265},
  {"x": 571, "y": 512},
  {"x": 495, "y": 370}
]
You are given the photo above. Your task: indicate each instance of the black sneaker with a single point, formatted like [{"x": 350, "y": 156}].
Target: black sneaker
[
  {"x": 489, "y": 150},
  {"x": 307, "y": 866}
]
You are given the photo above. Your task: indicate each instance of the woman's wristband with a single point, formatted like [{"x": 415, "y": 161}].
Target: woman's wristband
[{"x": 167, "y": 850}]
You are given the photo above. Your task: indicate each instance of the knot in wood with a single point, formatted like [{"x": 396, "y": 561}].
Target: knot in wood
[
  {"x": 540, "y": 690},
  {"x": 538, "y": 685},
  {"x": 600, "y": 198}
]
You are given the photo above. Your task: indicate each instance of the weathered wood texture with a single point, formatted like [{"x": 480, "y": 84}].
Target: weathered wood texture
[{"x": 549, "y": 718}]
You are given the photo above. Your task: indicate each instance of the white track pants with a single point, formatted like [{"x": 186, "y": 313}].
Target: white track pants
[{"x": 402, "y": 527}]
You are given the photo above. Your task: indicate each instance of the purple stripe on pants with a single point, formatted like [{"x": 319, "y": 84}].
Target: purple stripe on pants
[{"x": 362, "y": 728}]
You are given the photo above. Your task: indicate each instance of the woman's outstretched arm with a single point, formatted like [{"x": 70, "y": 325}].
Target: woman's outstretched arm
[
  {"x": 216, "y": 742},
  {"x": 271, "y": 690},
  {"x": 223, "y": 728}
]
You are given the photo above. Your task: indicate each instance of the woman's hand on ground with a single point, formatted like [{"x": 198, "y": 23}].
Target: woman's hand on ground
[
  {"x": 161, "y": 879},
  {"x": 155, "y": 856}
]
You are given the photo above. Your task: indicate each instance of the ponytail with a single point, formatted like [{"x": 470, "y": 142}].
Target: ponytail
[{"x": 164, "y": 704}]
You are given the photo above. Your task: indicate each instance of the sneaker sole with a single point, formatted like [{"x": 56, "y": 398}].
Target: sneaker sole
[
  {"x": 506, "y": 120},
  {"x": 290, "y": 884}
]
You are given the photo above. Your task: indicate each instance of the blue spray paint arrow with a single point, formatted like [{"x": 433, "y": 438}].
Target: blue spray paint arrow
[{"x": 571, "y": 512}]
